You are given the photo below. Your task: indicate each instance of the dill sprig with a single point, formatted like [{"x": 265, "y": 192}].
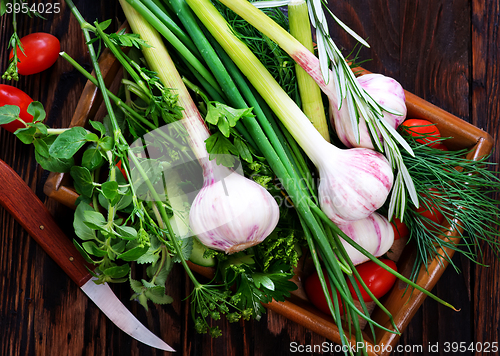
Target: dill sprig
[{"x": 464, "y": 191}]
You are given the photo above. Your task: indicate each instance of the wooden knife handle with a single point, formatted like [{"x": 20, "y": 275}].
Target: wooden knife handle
[{"x": 20, "y": 201}]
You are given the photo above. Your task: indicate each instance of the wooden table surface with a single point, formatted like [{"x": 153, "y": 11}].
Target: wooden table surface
[{"x": 446, "y": 51}]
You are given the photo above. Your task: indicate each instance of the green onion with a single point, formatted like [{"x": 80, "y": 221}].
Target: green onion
[{"x": 310, "y": 93}]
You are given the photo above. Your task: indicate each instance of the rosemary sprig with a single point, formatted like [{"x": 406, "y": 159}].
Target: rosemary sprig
[{"x": 361, "y": 104}]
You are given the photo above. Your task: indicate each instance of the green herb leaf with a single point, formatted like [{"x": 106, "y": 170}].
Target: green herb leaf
[
  {"x": 157, "y": 295},
  {"x": 9, "y": 113},
  {"x": 134, "y": 253},
  {"x": 36, "y": 110},
  {"x": 48, "y": 162},
  {"x": 82, "y": 180},
  {"x": 225, "y": 116},
  {"x": 110, "y": 190},
  {"x": 126, "y": 232},
  {"x": 220, "y": 148},
  {"x": 93, "y": 249},
  {"x": 243, "y": 150},
  {"x": 68, "y": 143},
  {"x": 95, "y": 220},
  {"x": 98, "y": 126},
  {"x": 92, "y": 159},
  {"x": 82, "y": 230},
  {"x": 117, "y": 271}
]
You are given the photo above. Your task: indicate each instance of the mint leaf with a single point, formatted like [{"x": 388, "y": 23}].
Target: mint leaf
[
  {"x": 92, "y": 159},
  {"x": 48, "y": 162},
  {"x": 83, "y": 231},
  {"x": 9, "y": 113},
  {"x": 68, "y": 143},
  {"x": 82, "y": 180},
  {"x": 36, "y": 110}
]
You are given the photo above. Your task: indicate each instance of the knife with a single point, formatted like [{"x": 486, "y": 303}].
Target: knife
[{"x": 20, "y": 201}]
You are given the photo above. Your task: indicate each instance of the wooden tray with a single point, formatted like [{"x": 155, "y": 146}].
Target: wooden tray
[{"x": 401, "y": 305}]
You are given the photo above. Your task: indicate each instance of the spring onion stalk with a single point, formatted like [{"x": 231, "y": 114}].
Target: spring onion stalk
[
  {"x": 175, "y": 42},
  {"x": 353, "y": 183},
  {"x": 310, "y": 93},
  {"x": 231, "y": 212},
  {"x": 159, "y": 12},
  {"x": 358, "y": 104}
]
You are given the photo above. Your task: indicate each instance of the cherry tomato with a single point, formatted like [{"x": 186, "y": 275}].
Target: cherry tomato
[
  {"x": 400, "y": 228},
  {"x": 315, "y": 293},
  {"x": 119, "y": 165},
  {"x": 41, "y": 51},
  {"x": 433, "y": 213},
  {"x": 377, "y": 279},
  {"x": 426, "y": 130},
  {"x": 10, "y": 95}
]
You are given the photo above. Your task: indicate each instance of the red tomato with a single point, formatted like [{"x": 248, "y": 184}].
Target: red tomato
[
  {"x": 400, "y": 228},
  {"x": 41, "y": 51},
  {"x": 377, "y": 279},
  {"x": 425, "y": 129},
  {"x": 432, "y": 214},
  {"x": 315, "y": 293},
  {"x": 10, "y": 95},
  {"x": 119, "y": 166}
]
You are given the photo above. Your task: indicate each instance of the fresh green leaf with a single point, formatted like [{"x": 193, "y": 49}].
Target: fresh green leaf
[
  {"x": 26, "y": 134},
  {"x": 225, "y": 116},
  {"x": 243, "y": 150},
  {"x": 98, "y": 126},
  {"x": 82, "y": 230},
  {"x": 136, "y": 286},
  {"x": 91, "y": 137},
  {"x": 68, "y": 143},
  {"x": 9, "y": 113},
  {"x": 157, "y": 295},
  {"x": 261, "y": 278},
  {"x": 48, "y": 162},
  {"x": 36, "y": 110},
  {"x": 126, "y": 232},
  {"x": 110, "y": 189},
  {"x": 82, "y": 180},
  {"x": 220, "y": 148},
  {"x": 93, "y": 249},
  {"x": 82, "y": 251},
  {"x": 92, "y": 159},
  {"x": 134, "y": 253},
  {"x": 117, "y": 271},
  {"x": 95, "y": 220},
  {"x": 106, "y": 143}
]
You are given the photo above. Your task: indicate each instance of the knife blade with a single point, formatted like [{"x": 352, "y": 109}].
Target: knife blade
[{"x": 22, "y": 203}]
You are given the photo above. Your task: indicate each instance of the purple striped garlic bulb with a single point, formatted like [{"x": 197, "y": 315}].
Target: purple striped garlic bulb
[
  {"x": 353, "y": 182},
  {"x": 384, "y": 90},
  {"x": 374, "y": 233},
  {"x": 232, "y": 213}
]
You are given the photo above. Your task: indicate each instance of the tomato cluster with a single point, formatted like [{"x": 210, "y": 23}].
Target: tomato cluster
[{"x": 39, "y": 52}]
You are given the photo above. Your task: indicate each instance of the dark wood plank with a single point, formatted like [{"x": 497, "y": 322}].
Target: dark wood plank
[{"x": 485, "y": 94}]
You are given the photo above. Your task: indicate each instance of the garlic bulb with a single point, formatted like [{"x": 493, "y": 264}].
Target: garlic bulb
[
  {"x": 374, "y": 233},
  {"x": 231, "y": 213},
  {"x": 384, "y": 90},
  {"x": 353, "y": 182}
]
